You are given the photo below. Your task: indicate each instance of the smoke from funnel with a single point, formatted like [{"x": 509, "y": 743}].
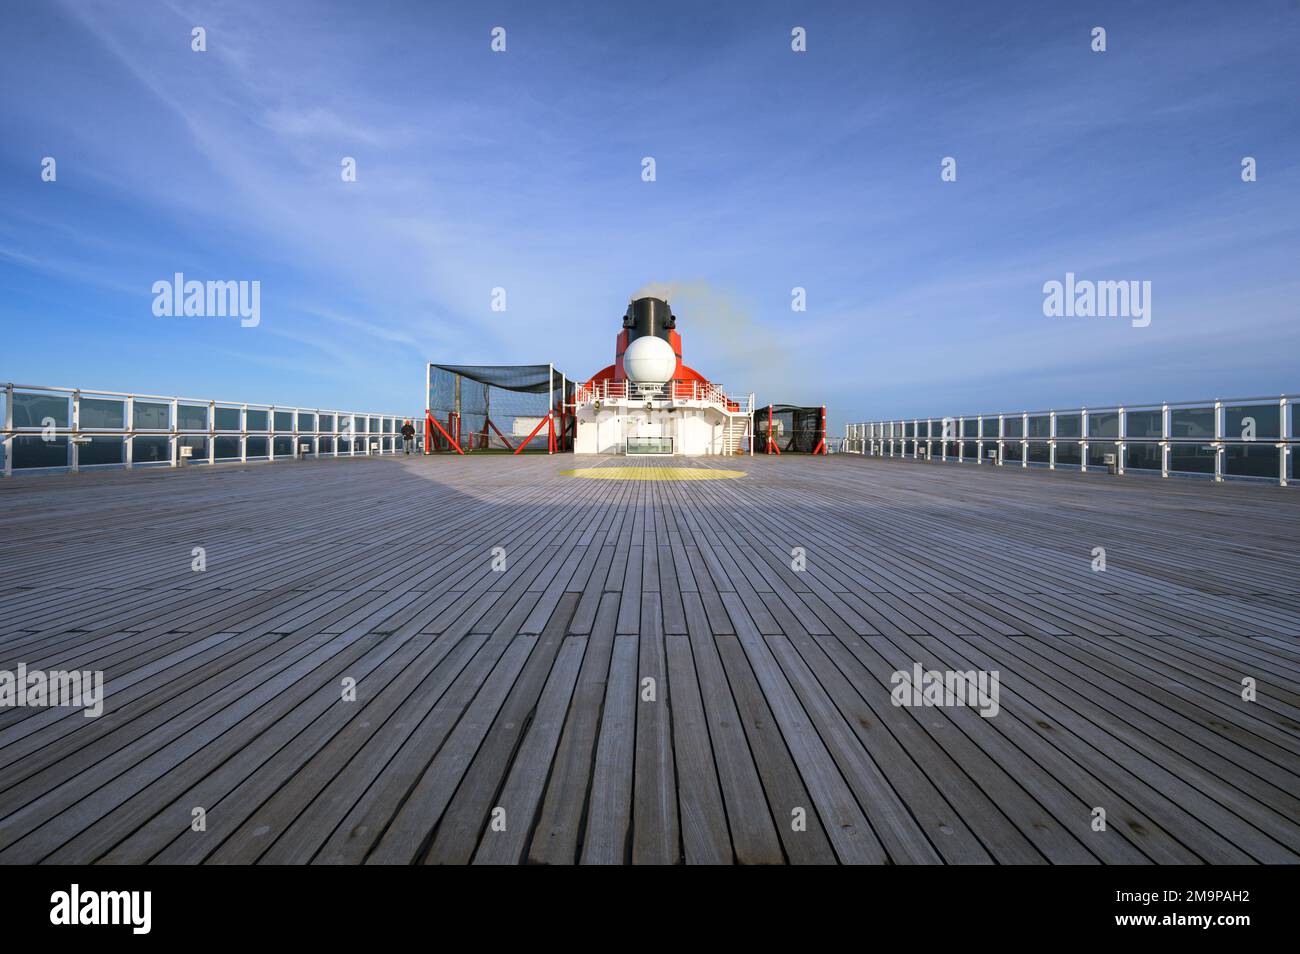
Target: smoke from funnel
[{"x": 721, "y": 335}]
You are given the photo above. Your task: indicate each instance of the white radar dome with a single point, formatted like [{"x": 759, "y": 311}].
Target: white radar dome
[{"x": 649, "y": 360}]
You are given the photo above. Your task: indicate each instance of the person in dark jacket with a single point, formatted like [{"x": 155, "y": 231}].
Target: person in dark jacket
[{"x": 408, "y": 436}]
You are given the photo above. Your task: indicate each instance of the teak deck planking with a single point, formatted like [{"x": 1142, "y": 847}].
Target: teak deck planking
[{"x": 647, "y": 678}]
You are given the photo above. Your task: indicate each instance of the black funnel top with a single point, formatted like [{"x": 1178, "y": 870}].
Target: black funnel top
[{"x": 648, "y": 316}]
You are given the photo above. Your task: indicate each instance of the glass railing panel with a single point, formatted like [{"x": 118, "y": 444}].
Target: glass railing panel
[
  {"x": 227, "y": 419},
  {"x": 1191, "y": 423},
  {"x": 150, "y": 450},
  {"x": 1191, "y": 458},
  {"x": 1252, "y": 422},
  {"x": 1144, "y": 424},
  {"x": 34, "y": 451},
  {"x": 1068, "y": 454},
  {"x": 101, "y": 414},
  {"x": 191, "y": 417},
  {"x": 1143, "y": 456},
  {"x": 1251, "y": 460},
  {"x": 41, "y": 410},
  {"x": 102, "y": 451},
  {"x": 1103, "y": 424},
  {"x": 1097, "y": 450},
  {"x": 198, "y": 448}
]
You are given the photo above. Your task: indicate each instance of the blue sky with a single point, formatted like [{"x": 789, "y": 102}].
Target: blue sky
[{"x": 522, "y": 170}]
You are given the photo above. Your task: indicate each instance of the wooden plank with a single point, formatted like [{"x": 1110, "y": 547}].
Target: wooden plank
[{"x": 609, "y": 805}]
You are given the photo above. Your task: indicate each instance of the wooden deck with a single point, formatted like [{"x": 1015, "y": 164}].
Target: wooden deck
[{"x": 523, "y": 690}]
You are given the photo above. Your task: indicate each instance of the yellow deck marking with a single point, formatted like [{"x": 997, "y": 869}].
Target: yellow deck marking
[{"x": 652, "y": 473}]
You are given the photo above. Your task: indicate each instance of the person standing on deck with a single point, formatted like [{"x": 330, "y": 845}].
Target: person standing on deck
[{"x": 408, "y": 436}]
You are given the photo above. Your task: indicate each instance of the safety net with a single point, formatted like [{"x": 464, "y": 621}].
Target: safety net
[
  {"x": 495, "y": 406},
  {"x": 790, "y": 428}
]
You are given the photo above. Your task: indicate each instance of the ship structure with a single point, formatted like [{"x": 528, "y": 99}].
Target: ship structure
[{"x": 649, "y": 402}]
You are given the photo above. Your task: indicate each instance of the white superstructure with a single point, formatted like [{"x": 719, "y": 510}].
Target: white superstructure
[{"x": 687, "y": 418}]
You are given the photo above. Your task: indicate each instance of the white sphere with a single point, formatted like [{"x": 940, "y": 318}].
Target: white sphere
[{"x": 649, "y": 360}]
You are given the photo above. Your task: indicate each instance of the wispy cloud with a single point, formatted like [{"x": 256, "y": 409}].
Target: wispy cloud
[{"x": 522, "y": 171}]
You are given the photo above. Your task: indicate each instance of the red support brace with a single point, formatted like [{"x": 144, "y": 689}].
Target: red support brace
[
  {"x": 509, "y": 446},
  {"x": 430, "y": 419},
  {"x": 821, "y": 445},
  {"x": 533, "y": 434}
]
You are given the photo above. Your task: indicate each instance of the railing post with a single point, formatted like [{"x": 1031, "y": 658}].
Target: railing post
[
  {"x": 129, "y": 422},
  {"x": 175, "y": 422},
  {"x": 1051, "y": 440},
  {"x": 9, "y": 431},
  {"x": 1285, "y": 434},
  {"x": 1164, "y": 440},
  {"x": 1083, "y": 440},
  {"x": 1121, "y": 432},
  {"x": 74, "y": 455},
  {"x": 1218, "y": 441}
]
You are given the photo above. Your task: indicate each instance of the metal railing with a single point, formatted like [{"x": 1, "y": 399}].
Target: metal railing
[
  {"x": 680, "y": 390},
  {"x": 1227, "y": 439},
  {"x": 51, "y": 429}
]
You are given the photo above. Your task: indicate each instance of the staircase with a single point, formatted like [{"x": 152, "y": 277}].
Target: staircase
[{"x": 733, "y": 434}]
